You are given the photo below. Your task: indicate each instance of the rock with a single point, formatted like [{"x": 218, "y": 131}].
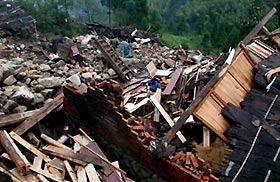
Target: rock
[
  {"x": 111, "y": 72},
  {"x": 10, "y": 104},
  {"x": 23, "y": 95},
  {"x": 28, "y": 81},
  {"x": 20, "y": 109},
  {"x": 5, "y": 71},
  {"x": 21, "y": 76},
  {"x": 87, "y": 75},
  {"x": 2, "y": 114},
  {"x": 9, "y": 90},
  {"x": 39, "y": 98},
  {"x": 10, "y": 80},
  {"x": 38, "y": 88},
  {"x": 105, "y": 76},
  {"x": 60, "y": 63},
  {"x": 44, "y": 68},
  {"x": 51, "y": 82},
  {"x": 47, "y": 93},
  {"x": 18, "y": 60}
]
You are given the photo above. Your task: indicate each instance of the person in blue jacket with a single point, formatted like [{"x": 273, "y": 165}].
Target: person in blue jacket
[{"x": 126, "y": 50}]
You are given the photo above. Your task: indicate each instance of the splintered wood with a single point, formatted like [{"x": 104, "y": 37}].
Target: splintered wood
[{"x": 66, "y": 163}]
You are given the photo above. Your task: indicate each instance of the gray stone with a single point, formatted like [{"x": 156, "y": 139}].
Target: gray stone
[
  {"x": 39, "y": 98},
  {"x": 10, "y": 104},
  {"x": 10, "y": 80},
  {"x": 51, "y": 82},
  {"x": 21, "y": 76},
  {"x": 28, "y": 81},
  {"x": 38, "y": 88},
  {"x": 105, "y": 76},
  {"x": 111, "y": 72},
  {"x": 9, "y": 90},
  {"x": 47, "y": 93},
  {"x": 2, "y": 114},
  {"x": 60, "y": 63},
  {"x": 20, "y": 109},
  {"x": 44, "y": 68},
  {"x": 23, "y": 95},
  {"x": 87, "y": 75}
]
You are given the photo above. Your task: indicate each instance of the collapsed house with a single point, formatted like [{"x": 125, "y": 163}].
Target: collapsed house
[{"x": 149, "y": 112}]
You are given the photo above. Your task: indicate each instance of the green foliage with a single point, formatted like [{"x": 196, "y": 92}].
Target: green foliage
[
  {"x": 52, "y": 15},
  {"x": 174, "y": 41},
  {"x": 210, "y": 25}
]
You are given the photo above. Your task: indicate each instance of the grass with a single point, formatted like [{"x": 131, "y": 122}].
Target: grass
[{"x": 174, "y": 41}]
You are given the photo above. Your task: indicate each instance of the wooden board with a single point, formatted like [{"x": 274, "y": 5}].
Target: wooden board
[
  {"x": 229, "y": 90},
  {"x": 176, "y": 75},
  {"x": 91, "y": 173}
]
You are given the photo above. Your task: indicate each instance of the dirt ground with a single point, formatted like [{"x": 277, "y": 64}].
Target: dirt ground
[{"x": 213, "y": 155}]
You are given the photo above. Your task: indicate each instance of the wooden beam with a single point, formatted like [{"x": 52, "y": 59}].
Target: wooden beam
[
  {"x": 156, "y": 111},
  {"x": 81, "y": 173},
  {"x": 29, "y": 147},
  {"x": 167, "y": 117},
  {"x": 206, "y": 137},
  {"x": 47, "y": 174},
  {"x": 91, "y": 173},
  {"x": 15, "y": 154},
  {"x": 40, "y": 114},
  {"x": 76, "y": 157},
  {"x": 70, "y": 171},
  {"x": 53, "y": 142},
  {"x": 170, "y": 86},
  {"x": 15, "y": 118}
]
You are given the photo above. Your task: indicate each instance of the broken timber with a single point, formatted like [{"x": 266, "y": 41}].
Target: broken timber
[{"x": 15, "y": 154}]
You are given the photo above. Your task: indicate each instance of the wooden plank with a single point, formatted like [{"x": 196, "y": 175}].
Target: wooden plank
[
  {"x": 206, "y": 137},
  {"x": 81, "y": 173},
  {"x": 54, "y": 171},
  {"x": 170, "y": 86},
  {"x": 15, "y": 154},
  {"x": 15, "y": 118},
  {"x": 156, "y": 111},
  {"x": 42, "y": 178},
  {"x": 229, "y": 90},
  {"x": 53, "y": 142},
  {"x": 33, "y": 138},
  {"x": 166, "y": 117},
  {"x": 70, "y": 171},
  {"x": 29, "y": 147},
  {"x": 57, "y": 163},
  {"x": 62, "y": 139},
  {"x": 47, "y": 174},
  {"x": 78, "y": 158},
  {"x": 37, "y": 162},
  {"x": 40, "y": 114},
  {"x": 131, "y": 107},
  {"x": 91, "y": 173}
]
